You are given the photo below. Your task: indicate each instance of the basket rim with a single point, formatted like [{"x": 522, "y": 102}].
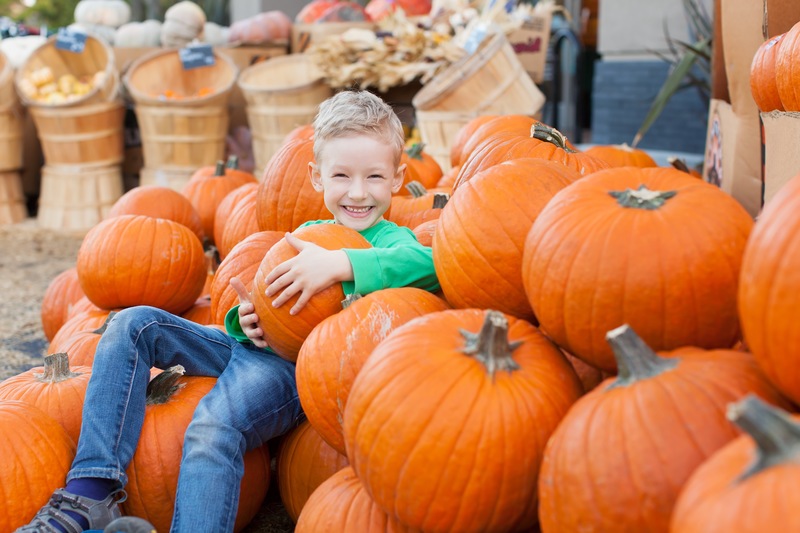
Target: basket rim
[
  {"x": 444, "y": 83},
  {"x": 110, "y": 71},
  {"x": 244, "y": 85},
  {"x": 140, "y": 98}
]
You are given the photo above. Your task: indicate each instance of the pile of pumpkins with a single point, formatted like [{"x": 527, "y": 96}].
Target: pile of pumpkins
[{"x": 612, "y": 348}]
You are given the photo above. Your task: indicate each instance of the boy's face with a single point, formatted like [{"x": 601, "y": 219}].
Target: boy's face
[{"x": 357, "y": 175}]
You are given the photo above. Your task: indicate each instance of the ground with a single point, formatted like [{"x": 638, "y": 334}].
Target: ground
[{"x": 30, "y": 258}]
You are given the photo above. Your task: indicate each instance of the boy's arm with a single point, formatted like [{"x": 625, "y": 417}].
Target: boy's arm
[{"x": 397, "y": 259}]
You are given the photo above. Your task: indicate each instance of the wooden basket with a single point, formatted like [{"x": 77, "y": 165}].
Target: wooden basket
[
  {"x": 281, "y": 94},
  {"x": 173, "y": 177},
  {"x": 77, "y": 198},
  {"x": 87, "y": 135},
  {"x": 491, "y": 81},
  {"x": 12, "y": 199},
  {"x": 11, "y": 119},
  {"x": 97, "y": 56}
]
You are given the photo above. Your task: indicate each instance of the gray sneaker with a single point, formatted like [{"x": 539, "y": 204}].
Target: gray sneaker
[{"x": 98, "y": 513}]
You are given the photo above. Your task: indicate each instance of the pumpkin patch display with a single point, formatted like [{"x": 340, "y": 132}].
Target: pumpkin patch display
[{"x": 640, "y": 247}]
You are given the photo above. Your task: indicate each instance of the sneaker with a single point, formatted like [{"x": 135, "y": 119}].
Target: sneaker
[{"x": 98, "y": 513}]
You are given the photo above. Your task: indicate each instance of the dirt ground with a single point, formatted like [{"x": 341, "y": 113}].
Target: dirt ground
[{"x": 30, "y": 258}]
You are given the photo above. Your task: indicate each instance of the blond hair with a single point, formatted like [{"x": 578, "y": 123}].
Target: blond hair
[{"x": 356, "y": 112}]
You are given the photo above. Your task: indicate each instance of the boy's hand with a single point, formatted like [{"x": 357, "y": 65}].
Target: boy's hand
[
  {"x": 248, "y": 319},
  {"x": 312, "y": 270}
]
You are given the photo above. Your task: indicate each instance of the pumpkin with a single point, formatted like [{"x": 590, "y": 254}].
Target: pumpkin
[
  {"x": 380, "y": 9},
  {"x": 61, "y": 293},
  {"x": 336, "y": 349},
  {"x": 138, "y": 260},
  {"x": 544, "y": 142},
  {"x": 84, "y": 304},
  {"x": 313, "y": 10},
  {"x": 304, "y": 131},
  {"x": 448, "y": 179},
  {"x": 55, "y": 388},
  {"x": 113, "y": 13},
  {"x": 208, "y": 186},
  {"x": 153, "y": 471},
  {"x": 448, "y": 419},
  {"x": 264, "y": 27},
  {"x": 286, "y": 197},
  {"x": 35, "y": 455},
  {"x": 85, "y": 321},
  {"x": 81, "y": 345},
  {"x": 235, "y": 218},
  {"x": 478, "y": 244},
  {"x": 427, "y": 169},
  {"x": 304, "y": 462},
  {"x": 763, "y": 81},
  {"x": 159, "y": 202},
  {"x": 768, "y": 287},
  {"x": 661, "y": 416},
  {"x": 421, "y": 206},
  {"x": 484, "y": 130},
  {"x": 425, "y": 231},
  {"x": 139, "y": 34},
  {"x": 463, "y": 135},
  {"x": 200, "y": 312},
  {"x": 786, "y": 70},
  {"x": 216, "y": 35},
  {"x": 589, "y": 376},
  {"x": 621, "y": 155},
  {"x": 344, "y": 11},
  {"x": 342, "y": 503},
  {"x": 283, "y": 332},
  {"x": 183, "y": 23},
  {"x": 242, "y": 262},
  {"x": 637, "y": 246},
  {"x": 749, "y": 486}
]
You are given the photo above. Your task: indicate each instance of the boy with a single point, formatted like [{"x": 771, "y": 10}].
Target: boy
[{"x": 358, "y": 141}]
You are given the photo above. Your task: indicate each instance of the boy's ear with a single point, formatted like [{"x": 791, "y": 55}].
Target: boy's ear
[
  {"x": 315, "y": 176},
  {"x": 399, "y": 176}
]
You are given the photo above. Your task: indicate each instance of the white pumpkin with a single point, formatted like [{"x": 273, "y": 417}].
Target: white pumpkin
[
  {"x": 139, "y": 34},
  {"x": 112, "y": 13},
  {"x": 17, "y": 49},
  {"x": 183, "y": 23},
  {"x": 216, "y": 35}
]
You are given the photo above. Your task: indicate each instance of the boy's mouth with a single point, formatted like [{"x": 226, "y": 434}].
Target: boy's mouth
[{"x": 357, "y": 211}]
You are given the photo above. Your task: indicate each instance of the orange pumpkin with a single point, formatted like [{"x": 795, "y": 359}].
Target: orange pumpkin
[
  {"x": 444, "y": 399},
  {"x": 477, "y": 246},
  {"x": 158, "y": 202},
  {"x": 664, "y": 416},
  {"x": 768, "y": 288},
  {"x": 153, "y": 471},
  {"x": 626, "y": 246},
  {"x": 463, "y": 135},
  {"x": 55, "y": 388},
  {"x": 81, "y": 345},
  {"x": 763, "y": 81},
  {"x": 380, "y": 9},
  {"x": 238, "y": 208},
  {"x": 283, "y": 332},
  {"x": 268, "y": 26},
  {"x": 138, "y": 260},
  {"x": 200, "y": 312},
  {"x": 421, "y": 206},
  {"x": 61, "y": 293},
  {"x": 427, "y": 169},
  {"x": 749, "y": 486},
  {"x": 484, "y": 130},
  {"x": 305, "y": 461},
  {"x": 621, "y": 155},
  {"x": 424, "y": 232},
  {"x": 786, "y": 71},
  {"x": 85, "y": 321},
  {"x": 336, "y": 349}
]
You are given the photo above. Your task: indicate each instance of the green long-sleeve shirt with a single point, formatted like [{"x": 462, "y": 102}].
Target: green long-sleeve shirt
[{"x": 396, "y": 259}]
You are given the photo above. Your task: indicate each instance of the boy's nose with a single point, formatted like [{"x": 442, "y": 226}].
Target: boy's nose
[{"x": 357, "y": 190}]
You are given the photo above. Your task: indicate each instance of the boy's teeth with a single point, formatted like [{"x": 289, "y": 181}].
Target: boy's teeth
[{"x": 358, "y": 209}]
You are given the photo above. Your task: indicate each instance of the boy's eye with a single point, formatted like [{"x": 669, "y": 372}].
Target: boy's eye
[{"x": 376, "y": 176}]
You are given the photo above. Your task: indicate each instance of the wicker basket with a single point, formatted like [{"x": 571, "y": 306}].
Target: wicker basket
[
  {"x": 281, "y": 94},
  {"x": 11, "y": 119},
  {"x": 77, "y": 198},
  {"x": 97, "y": 56},
  {"x": 12, "y": 198},
  {"x": 490, "y": 81},
  {"x": 185, "y": 133},
  {"x": 173, "y": 177}
]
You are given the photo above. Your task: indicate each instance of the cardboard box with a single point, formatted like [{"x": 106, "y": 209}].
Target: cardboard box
[
  {"x": 781, "y": 156},
  {"x": 530, "y": 44}
]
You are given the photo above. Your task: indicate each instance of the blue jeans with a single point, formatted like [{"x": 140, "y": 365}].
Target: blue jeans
[{"x": 254, "y": 399}]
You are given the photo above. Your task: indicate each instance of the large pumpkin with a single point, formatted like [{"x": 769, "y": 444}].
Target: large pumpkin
[
  {"x": 643, "y": 247},
  {"x": 304, "y": 462},
  {"x": 153, "y": 471},
  {"x": 447, "y": 421},
  {"x": 35, "y": 455},
  {"x": 478, "y": 243},
  {"x": 139, "y": 260},
  {"x": 283, "y": 332},
  {"x": 483, "y": 130},
  {"x": 750, "y": 485},
  {"x": 763, "y": 81},
  {"x": 337, "y": 348},
  {"x": 786, "y": 71},
  {"x": 61, "y": 293},
  {"x": 286, "y": 198},
  {"x": 81, "y": 346},
  {"x": 621, "y": 155},
  {"x": 463, "y": 135},
  {"x": 235, "y": 218},
  {"x": 768, "y": 304},
  {"x": 159, "y": 202}
]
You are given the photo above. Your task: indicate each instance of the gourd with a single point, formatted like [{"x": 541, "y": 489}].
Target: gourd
[
  {"x": 111, "y": 13},
  {"x": 261, "y": 28}
]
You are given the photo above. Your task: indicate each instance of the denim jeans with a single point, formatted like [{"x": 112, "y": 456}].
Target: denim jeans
[{"x": 254, "y": 399}]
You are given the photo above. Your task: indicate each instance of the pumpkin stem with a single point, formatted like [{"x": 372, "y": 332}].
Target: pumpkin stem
[
  {"x": 551, "y": 135},
  {"x": 415, "y": 152},
  {"x": 56, "y": 369},
  {"x": 219, "y": 171},
  {"x": 163, "y": 386},
  {"x": 349, "y": 299},
  {"x": 440, "y": 200},
  {"x": 416, "y": 189},
  {"x": 776, "y": 434},
  {"x": 102, "y": 329},
  {"x": 636, "y": 361},
  {"x": 233, "y": 162},
  {"x": 490, "y": 345},
  {"x": 642, "y": 198}
]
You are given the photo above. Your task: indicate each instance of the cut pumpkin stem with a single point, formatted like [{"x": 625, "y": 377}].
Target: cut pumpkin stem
[
  {"x": 636, "y": 361},
  {"x": 490, "y": 345}
]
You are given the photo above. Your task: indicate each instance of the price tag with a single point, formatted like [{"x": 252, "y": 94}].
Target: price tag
[
  {"x": 196, "y": 55},
  {"x": 70, "y": 40}
]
